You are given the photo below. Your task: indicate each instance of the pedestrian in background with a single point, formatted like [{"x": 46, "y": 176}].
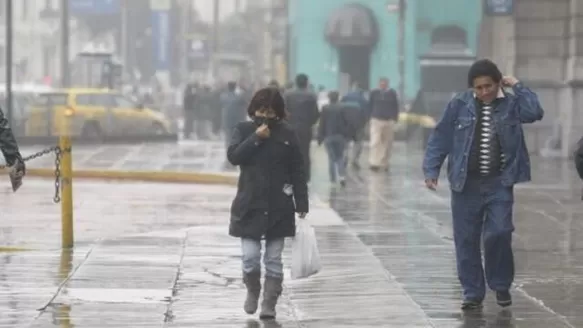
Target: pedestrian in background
[
  {"x": 189, "y": 106},
  {"x": 384, "y": 107},
  {"x": 233, "y": 106},
  {"x": 272, "y": 188},
  {"x": 334, "y": 132},
  {"x": 302, "y": 106},
  {"x": 357, "y": 108}
]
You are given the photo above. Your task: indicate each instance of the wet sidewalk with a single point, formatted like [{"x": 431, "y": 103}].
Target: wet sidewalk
[
  {"x": 408, "y": 228},
  {"x": 158, "y": 255},
  {"x": 153, "y": 255},
  {"x": 184, "y": 156}
]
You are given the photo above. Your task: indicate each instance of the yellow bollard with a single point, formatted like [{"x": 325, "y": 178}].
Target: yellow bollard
[{"x": 67, "y": 236}]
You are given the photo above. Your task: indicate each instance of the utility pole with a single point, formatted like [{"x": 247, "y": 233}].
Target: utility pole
[
  {"x": 124, "y": 36},
  {"x": 216, "y": 39},
  {"x": 401, "y": 47},
  {"x": 9, "y": 59},
  {"x": 185, "y": 40},
  {"x": 65, "y": 72}
]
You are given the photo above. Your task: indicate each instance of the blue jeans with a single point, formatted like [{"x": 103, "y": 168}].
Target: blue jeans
[
  {"x": 482, "y": 211},
  {"x": 251, "y": 250},
  {"x": 335, "y": 147}
]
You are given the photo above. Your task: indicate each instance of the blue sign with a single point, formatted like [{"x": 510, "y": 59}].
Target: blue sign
[
  {"x": 499, "y": 7},
  {"x": 94, "y": 7},
  {"x": 161, "y": 39}
]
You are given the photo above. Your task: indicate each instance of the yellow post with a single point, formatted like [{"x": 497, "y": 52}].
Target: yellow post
[{"x": 66, "y": 186}]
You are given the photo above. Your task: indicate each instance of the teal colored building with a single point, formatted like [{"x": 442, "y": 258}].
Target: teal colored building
[{"x": 360, "y": 38}]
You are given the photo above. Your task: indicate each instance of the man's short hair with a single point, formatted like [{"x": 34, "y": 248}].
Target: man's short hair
[
  {"x": 484, "y": 67},
  {"x": 302, "y": 81},
  {"x": 333, "y": 96}
]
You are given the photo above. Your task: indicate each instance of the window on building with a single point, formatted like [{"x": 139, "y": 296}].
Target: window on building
[{"x": 449, "y": 35}]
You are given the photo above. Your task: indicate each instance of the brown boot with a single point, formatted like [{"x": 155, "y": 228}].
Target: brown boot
[
  {"x": 271, "y": 291},
  {"x": 253, "y": 283}
]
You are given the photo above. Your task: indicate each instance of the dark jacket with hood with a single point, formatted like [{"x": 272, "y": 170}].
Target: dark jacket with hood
[{"x": 272, "y": 184}]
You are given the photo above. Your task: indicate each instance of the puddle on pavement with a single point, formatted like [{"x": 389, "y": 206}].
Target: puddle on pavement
[{"x": 110, "y": 295}]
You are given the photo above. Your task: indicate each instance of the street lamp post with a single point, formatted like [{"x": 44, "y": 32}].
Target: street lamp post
[
  {"x": 9, "y": 59},
  {"x": 402, "y": 12},
  {"x": 65, "y": 73},
  {"x": 401, "y": 9}
]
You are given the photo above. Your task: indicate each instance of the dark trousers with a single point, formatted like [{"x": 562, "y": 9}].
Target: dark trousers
[
  {"x": 305, "y": 140},
  {"x": 483, "y": 212},
  {"x": 189, "y": 118},
  {"x": 336, "y": 148}
]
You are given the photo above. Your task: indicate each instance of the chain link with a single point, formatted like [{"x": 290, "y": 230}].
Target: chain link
[{"x": 58, "y": 155}]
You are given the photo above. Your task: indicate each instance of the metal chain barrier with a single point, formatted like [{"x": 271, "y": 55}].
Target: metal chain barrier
[{"x": 58, "y": 154}]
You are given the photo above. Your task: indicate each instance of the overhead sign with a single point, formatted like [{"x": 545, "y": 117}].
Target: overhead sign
[
  {"x": 161, "y": 39},
  {"x": 94, "y": 7},
  {"x": 499, "y": 7}
]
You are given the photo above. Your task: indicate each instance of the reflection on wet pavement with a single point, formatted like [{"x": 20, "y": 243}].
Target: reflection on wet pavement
[
  {"x": 409, "y": 230},
  {"x": 205, "y": 156}
]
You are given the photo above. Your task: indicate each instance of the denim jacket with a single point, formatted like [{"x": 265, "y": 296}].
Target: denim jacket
[{"x": 453, "y": 135}]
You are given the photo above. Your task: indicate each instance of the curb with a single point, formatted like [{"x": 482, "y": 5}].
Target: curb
[
  {"x": 149, "y": 176},
  {"x": 14, "y": 249}
]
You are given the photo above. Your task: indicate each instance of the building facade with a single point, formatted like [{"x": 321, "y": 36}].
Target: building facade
[
  {"x": 340, "y": 41},
  {"x": 541, "y": 43},
  {"x": 36, "y": 40}
]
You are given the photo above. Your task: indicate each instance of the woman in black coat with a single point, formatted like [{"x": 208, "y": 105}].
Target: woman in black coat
[{"x": 272, "y": 188}]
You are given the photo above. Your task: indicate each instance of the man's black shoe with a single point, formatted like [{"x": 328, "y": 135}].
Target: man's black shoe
[
  {"x": 504, "y": 298},
  {"x": 471, "y": 305}
]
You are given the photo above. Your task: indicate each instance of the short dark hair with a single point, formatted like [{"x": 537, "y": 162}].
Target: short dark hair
[
  {"x": 484, "y": 67},
  {"x": 267, "y": 98},
  {"x": 273, "y": 84},
  {"x": 302, "y": 81},
  {"x": 333, "y": 96}
]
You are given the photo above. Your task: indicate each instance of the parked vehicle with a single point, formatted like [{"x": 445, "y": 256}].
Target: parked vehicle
[{"x": 93, "y": 114}]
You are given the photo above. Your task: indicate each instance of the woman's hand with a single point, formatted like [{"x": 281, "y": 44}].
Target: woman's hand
[
  {"x": 263, "y": 131},
  {"x": 302, "y": 215}
]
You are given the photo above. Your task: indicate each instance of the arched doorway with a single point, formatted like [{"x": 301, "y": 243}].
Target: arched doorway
[{"x": 353, "y": 31}]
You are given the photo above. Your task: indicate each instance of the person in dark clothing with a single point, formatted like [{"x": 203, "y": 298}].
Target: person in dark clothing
[
  {"x": 233, "y": 109},
  {"x": 302, "y": 106},
  {"x": 481, "y": 134},
  {"x": 11, "y": 153},
  {"x": 384, "y": 113},
  {"x": 204, "y": 113},
  {"x": 334, "y": 131},
  {"x": 578, "y": 156},
  {"x": 189, "y": 105},
  {"x": 272, "y": 188},
  {"x": 357, "y": 110}
]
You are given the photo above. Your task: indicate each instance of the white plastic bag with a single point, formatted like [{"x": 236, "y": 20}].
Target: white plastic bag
[{"x": 305, "y": 254}]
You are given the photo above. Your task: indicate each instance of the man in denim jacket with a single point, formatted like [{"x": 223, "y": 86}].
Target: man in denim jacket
[{"x": 481, "y": 135}]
